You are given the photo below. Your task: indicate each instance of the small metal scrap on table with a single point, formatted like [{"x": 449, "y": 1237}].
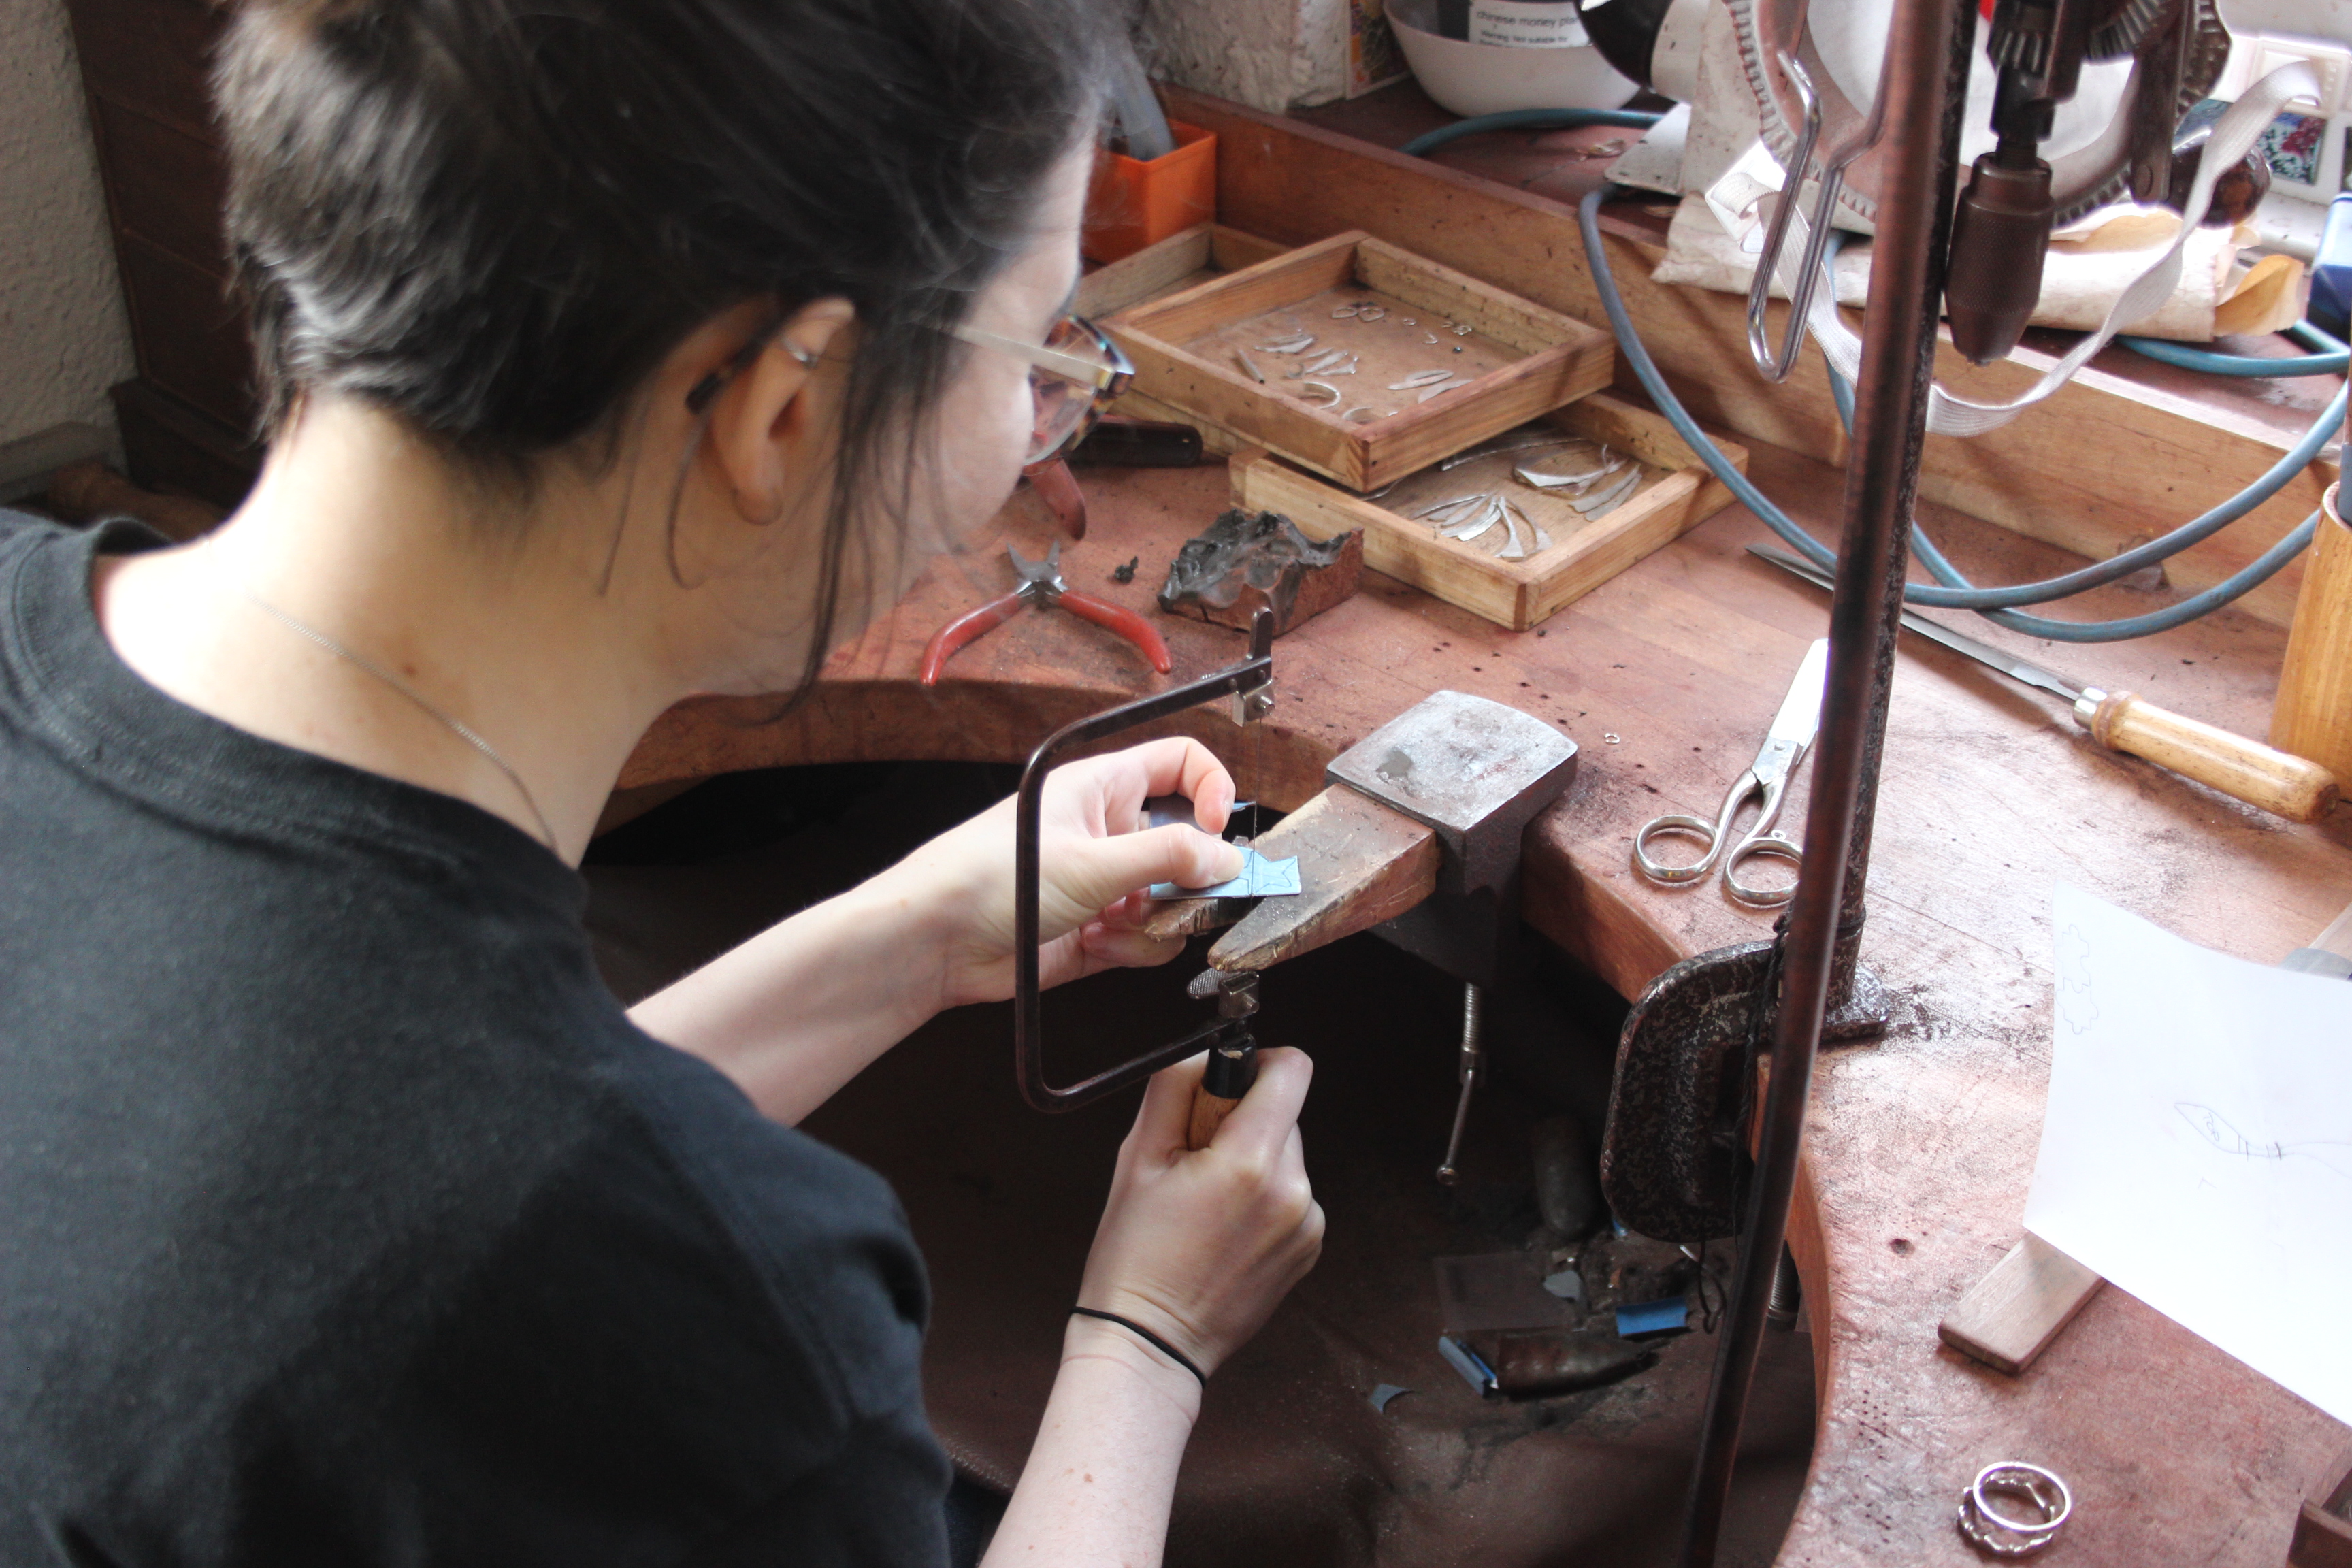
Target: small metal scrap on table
[{"x": 2001, "y": 1534}]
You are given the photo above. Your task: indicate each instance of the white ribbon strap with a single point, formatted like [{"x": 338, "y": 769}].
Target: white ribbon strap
[{"x": 2233, "y": 136}]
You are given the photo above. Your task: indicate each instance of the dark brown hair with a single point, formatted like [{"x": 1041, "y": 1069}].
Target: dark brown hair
[{"x": 495, "y": 217}]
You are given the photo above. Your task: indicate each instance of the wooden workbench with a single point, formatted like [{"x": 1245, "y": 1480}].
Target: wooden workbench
[{"x": 1922, "y": 1145}]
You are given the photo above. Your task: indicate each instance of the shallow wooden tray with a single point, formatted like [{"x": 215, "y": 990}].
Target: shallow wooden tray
[
  {"x": 1677, "y": 492},
  {"x": 1198, "y": 254},
  {"x": 1524, "y": 361}
]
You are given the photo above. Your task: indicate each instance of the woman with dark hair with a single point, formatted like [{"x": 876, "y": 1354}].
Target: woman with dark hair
[{"x": 612, "y": 353}]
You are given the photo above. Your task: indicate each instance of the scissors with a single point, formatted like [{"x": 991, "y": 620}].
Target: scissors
[{"x": 1784, "y": 748}]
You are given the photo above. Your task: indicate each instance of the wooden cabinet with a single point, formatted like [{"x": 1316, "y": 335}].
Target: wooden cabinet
[{"x": 187, "y": 418}]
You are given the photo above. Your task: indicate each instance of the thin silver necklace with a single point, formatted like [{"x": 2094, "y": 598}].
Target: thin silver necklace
[{"x": 449, "y": 720}]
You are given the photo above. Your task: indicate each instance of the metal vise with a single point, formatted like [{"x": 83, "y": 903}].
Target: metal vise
[
  {"x": 1427, "y": 812},
  {"x": 1416, "y": 838}
]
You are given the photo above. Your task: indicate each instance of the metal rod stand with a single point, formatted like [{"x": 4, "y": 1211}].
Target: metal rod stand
[{"x": 1922, "y": 88}]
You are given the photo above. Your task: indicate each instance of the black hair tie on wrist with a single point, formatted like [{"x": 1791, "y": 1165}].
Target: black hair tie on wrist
[{"x": 1148, "y": 1337}]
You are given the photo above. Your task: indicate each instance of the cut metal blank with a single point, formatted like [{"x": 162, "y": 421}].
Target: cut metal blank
[
  {"x": 1543, "y": 481},
  {"x": 1603, "y": 501},
  {"x": 1445, "y": 505},
  {"x": 1534, "y": 540},
  {"x": 1420, "y": 378},
  {"x": 1487, "y": 517},
  {"x": 1443, "y": 386},
  {"x": 1514, "y": 548},
  {"x": 1501, "y": 444},
  {"x": 1291, "y": 346}
]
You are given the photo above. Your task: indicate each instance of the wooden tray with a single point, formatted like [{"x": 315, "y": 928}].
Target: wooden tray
[
  {"x": 1676, "y": 492},
  {"x": 1524, "y": 361},
  {"x": 1201, "y": 253}
]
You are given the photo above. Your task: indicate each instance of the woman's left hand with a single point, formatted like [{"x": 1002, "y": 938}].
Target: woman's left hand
[{"x": 1095, "y": 859}]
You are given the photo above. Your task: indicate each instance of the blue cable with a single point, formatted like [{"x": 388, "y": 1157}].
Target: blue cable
[
  {"x": 1960, "y": 595},
  {"x": 1527, "y": 120},
  {"x": 2256, "y": 573},
  {"x": 2332, "y": 358},
  {"x": 1988, "y": 600}
]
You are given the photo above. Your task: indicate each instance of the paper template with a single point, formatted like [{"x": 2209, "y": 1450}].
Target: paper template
[{"x": 2198, "y": 1147}]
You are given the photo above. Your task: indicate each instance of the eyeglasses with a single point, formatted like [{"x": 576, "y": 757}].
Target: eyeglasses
[{"x": 1074, "y": 375}]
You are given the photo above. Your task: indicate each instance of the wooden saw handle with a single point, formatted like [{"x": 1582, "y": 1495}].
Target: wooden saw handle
[
  {"x": 1209, "y": 1113},
  {"x": 1226, "y": 1078},
  {"x": 2245, "y": 770}
]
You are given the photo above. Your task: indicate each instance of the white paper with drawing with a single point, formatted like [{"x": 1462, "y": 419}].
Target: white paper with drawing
[{"x": 2198, "y": 1147}]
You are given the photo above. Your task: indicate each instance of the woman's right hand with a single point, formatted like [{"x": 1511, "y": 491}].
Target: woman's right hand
[{"x": 1200, "y": 1245}]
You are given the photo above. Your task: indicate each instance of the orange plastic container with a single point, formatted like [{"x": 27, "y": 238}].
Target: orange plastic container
[{"x": 1133, "y": 203}]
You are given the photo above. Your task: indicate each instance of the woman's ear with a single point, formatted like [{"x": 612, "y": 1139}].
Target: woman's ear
[{"x": 775, "y": 419}]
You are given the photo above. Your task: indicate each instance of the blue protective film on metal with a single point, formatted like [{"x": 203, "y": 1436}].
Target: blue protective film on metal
[{"x": 1260, "y": 878}]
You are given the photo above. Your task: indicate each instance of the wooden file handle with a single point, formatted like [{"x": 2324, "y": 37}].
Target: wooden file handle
[
  {"x": 1231, "y": 1071},
  {"x": 2246, "y": 770}
]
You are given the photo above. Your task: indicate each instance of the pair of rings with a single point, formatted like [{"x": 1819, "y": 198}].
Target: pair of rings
[{"x": 2001, "y": 1533}]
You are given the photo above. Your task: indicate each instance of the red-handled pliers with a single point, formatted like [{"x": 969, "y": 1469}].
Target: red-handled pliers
[{"x": 1042, "y": 586}]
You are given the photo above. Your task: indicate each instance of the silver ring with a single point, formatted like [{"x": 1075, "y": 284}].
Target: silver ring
[
  {"x": 1362, "y": 413},
  {"x": 1326, "y": 386},
  {"x": 1372, "y": 313},
  {"x": 1999, "y": 1534}
]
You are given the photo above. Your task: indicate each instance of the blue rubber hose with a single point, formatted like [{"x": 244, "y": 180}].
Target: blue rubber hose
[
  {"x": 2329, "y": 357},
  {"x": 2116, "y": 567},
  {"x": 2256, "y": 573},
  {"x": 1960, "y": 595},
  {"x": 1427, "y": 141}
]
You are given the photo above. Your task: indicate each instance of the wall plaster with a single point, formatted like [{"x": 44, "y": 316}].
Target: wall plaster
[
  {"x": 1272, "y": 54},
  {"x": 64, "y": 335}
]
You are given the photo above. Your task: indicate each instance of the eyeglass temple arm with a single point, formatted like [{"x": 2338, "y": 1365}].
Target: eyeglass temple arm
[{"x": 1090, "y": 373}]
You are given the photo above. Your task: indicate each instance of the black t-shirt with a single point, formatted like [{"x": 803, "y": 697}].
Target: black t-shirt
[{"x": 344, "y": 1217}]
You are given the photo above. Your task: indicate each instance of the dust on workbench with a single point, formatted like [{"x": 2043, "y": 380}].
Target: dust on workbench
[{"x": 1399, "y": 343}]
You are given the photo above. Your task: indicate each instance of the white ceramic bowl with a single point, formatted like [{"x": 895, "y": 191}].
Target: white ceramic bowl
[{"x": 1487, "y": 79}]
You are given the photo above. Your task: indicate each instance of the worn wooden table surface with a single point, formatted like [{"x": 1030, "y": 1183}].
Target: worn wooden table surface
[{"x": 1922, "y": 1145}]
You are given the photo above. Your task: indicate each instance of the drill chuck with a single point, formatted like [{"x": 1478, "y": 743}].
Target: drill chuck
[{"x": 1999, "y": 238}]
